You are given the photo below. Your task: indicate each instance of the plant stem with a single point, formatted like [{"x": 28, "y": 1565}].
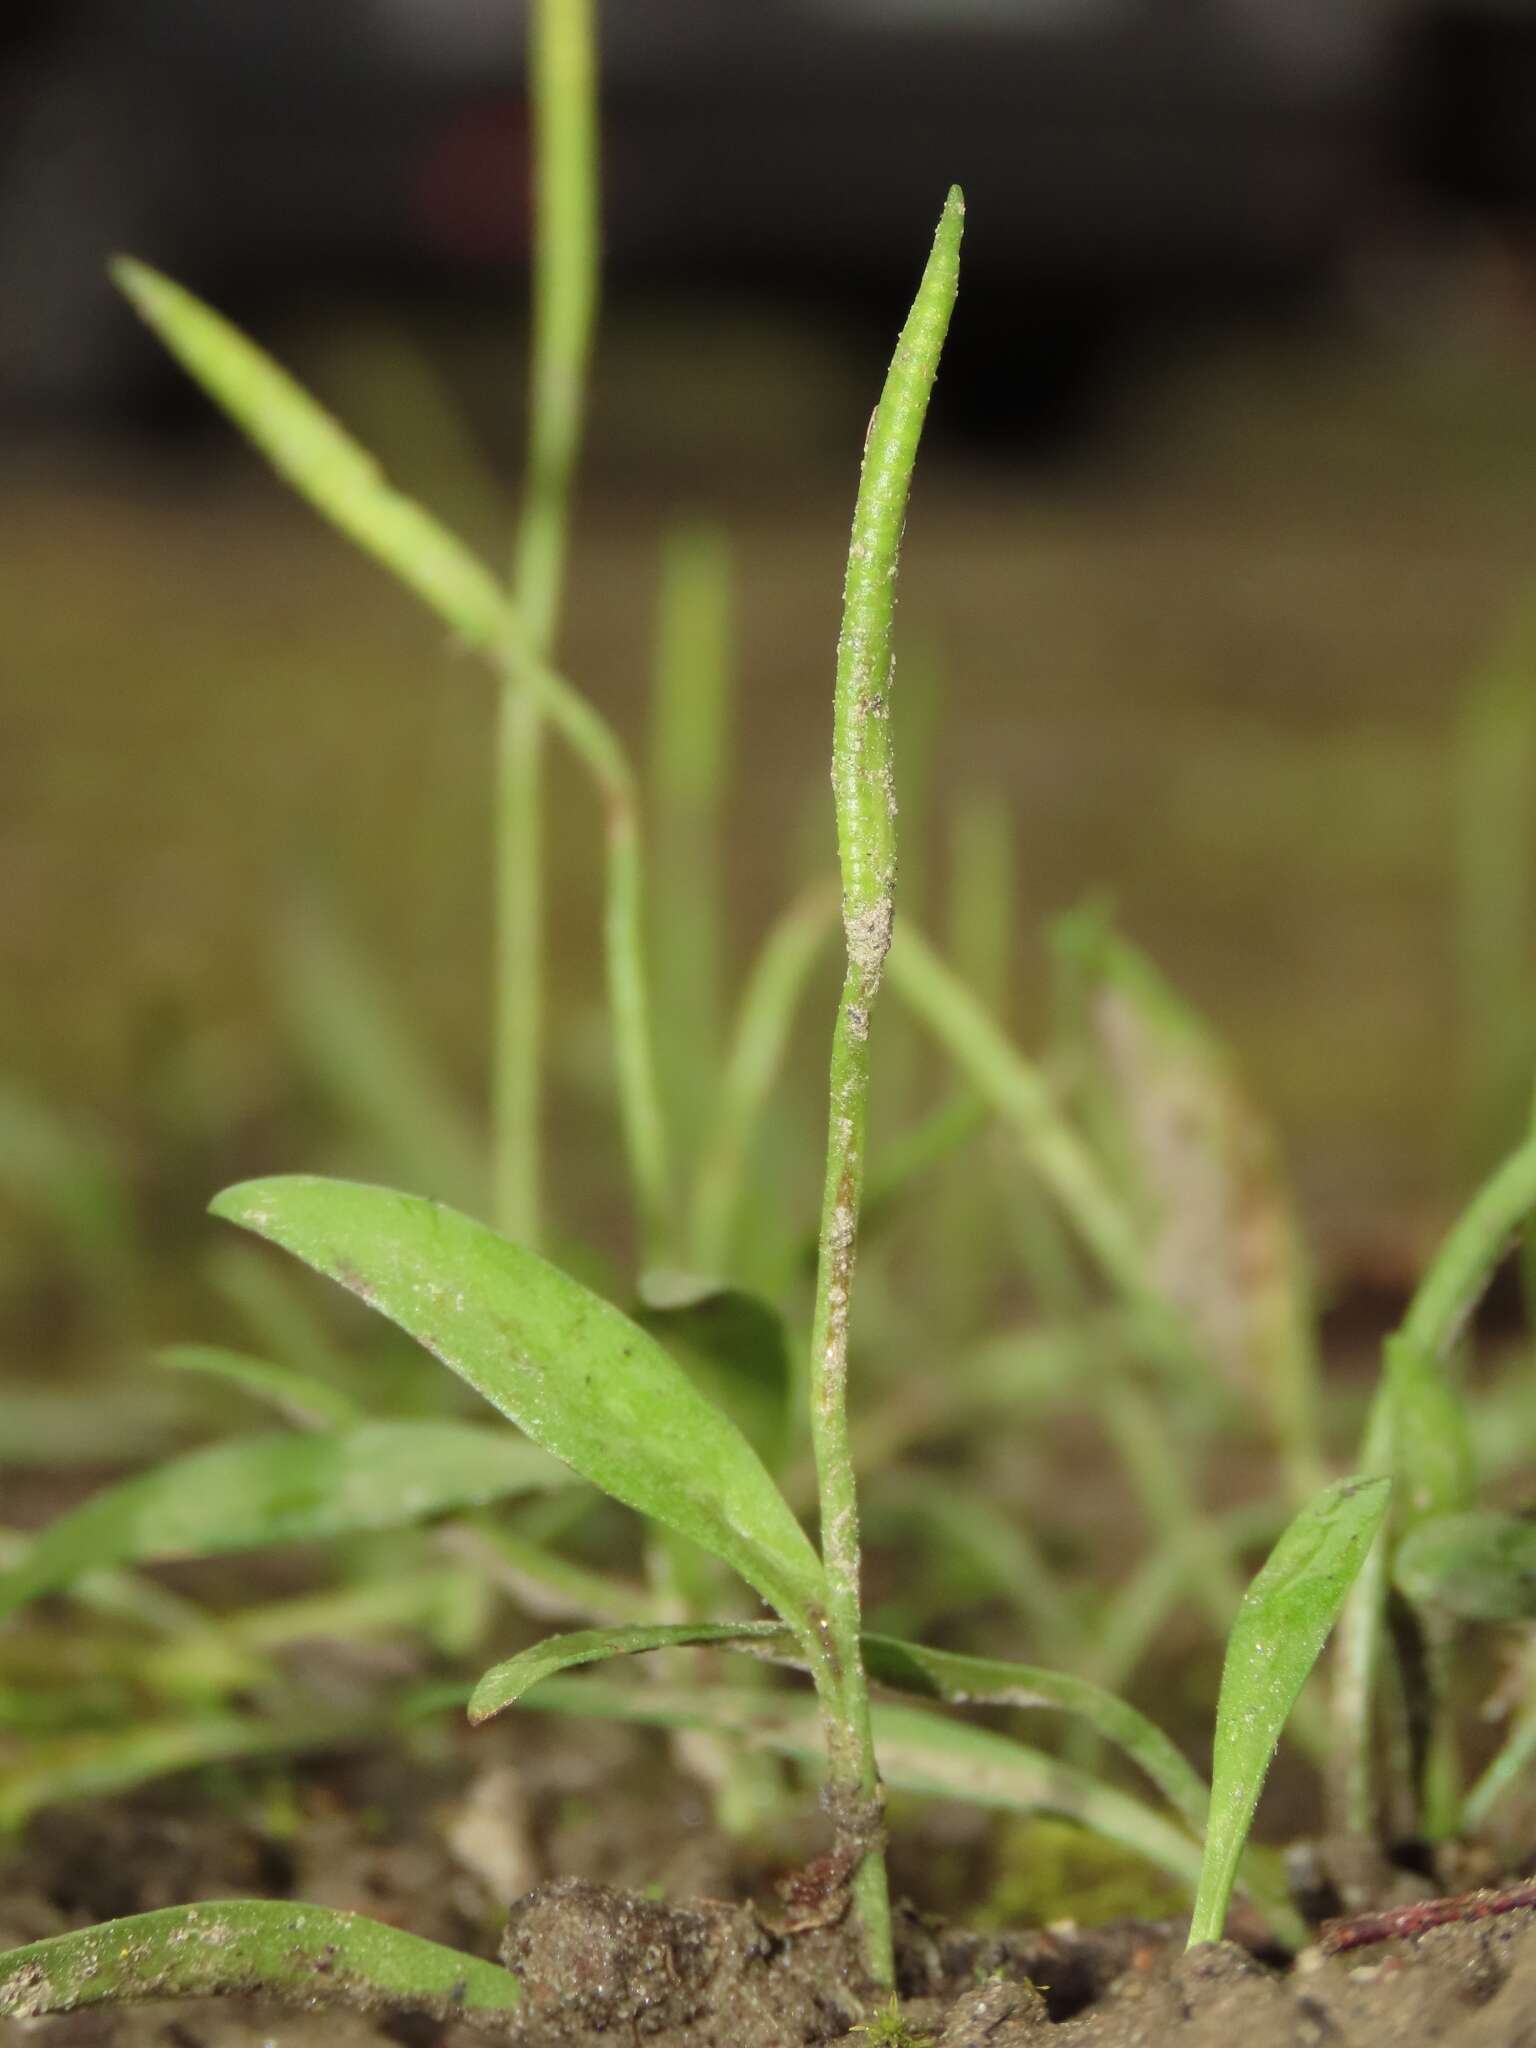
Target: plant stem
[
  {"x": 1444, "y": 1300},
  {"x": 562, "y": 74},
  {"x": 1465, "y": 1263},
  {"x": 866, "y": 834},
  {"x": 601, "y": 753}
]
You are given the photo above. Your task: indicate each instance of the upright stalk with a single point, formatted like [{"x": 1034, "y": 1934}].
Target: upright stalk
[
  {"x": 561, "y": 70},
  {"x": 866, "y": 837}
]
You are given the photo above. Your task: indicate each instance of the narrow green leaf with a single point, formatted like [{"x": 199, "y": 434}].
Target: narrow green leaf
[
  {"x": 281, "y": 1489},
  {"x": 919, "y": 1752},
  {"x": 1279, "y": 1632},
  {"x": 907, "y": 1667},
  {"x": 100, "y": 1762},
  {"x": 572, "y": 1371},
  {"x": 1478, "y": 1567},
  {"x": 322, "y": 462},
  {"x": 352, "y": 1032},
  {"x": 251, "y": 1947},
  {"x": 298, "y": 1396},
  {"x": 1431, "y": 1440},
  {"x": 504, "y": 1684},
  {"x": 1462, "y": 1268},
  {"x": 989, "y": 1681},
  {"x": 70, "y": 1179}
]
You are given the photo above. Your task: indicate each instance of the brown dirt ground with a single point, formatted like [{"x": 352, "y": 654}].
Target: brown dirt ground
[{"x": 604, "y": 1965}]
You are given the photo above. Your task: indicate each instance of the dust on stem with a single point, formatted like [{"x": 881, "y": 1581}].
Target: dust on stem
[{"x": 866, "y": 832}]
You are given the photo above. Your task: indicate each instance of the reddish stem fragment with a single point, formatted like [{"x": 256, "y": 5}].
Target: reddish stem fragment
[{"x": 1401, "y": 1923}]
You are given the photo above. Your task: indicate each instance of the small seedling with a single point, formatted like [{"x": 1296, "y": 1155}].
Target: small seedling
[{"x": 679, "y": 1410}]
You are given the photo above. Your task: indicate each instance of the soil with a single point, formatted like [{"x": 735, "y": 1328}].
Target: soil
[{"x": 608, "y": 1967}]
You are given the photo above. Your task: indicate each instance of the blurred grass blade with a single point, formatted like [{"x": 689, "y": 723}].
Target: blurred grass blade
[
  {"x": 298, "y": 1396},
  {"x": 1465, "y": 1263},
  {"x": 1495, "y": 849},
  {"x": 254, "y": 1947},
  {"x": 72, "y": 1182},
  {"x": 1478, "y": 1566},
  {"x": 989, "y": 1681},
  {"x": 735, "y": 1348},
  {"x": 543, "y": 1584},
  {"x": 104, "y": 1762},
  {"x": 1020, "y": 1094},
  {"x": 963, "y": 1537},
  {"x": 281, "y": 1489},
  {"x": 350, "y": 1031},
  {"x": 754, "y": 1062},
  {"x": 919, "y": 1752},
  {"x": 690, "y": 716},
  {"x": 90, "y": 1424},
  {"x": 572, "y": 1371},
  {"x": 1431, "y": 1441},
  {"x": 322, "y": 462},
  {"x": 1441, "y": 1307},
  {"x": 1200, "y": 1168},
  {"x": 505, "y": 1683},
  {"x": 276, "y": 1306},
  {"x": 1276, "y": 1639}
]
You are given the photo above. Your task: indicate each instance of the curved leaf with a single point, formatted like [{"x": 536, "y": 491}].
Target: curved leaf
[
  {"x": 504, "y": 1684},
  {"x": 907, "y": 1667},
  {"x": 94, "y": 1763},
  {"x": 321, "y": 461},
  {"x": 255, "y": 1947},
  {"x": 988, "y": 1681},
  {"x": 1479, "y": 1567},
  {"x": 1432, "y": 1457},
  {"x": 919, "y": 1752},
  {"x": 572, "y": 1371},
  {"x": 1279, "y": 1632},
  {"x": 281, "y": 1489}
]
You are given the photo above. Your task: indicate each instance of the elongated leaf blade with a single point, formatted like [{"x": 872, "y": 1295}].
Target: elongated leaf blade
[
  {"x": 989, "y": 1681},
  {"x": 322, "y": 462},
  {"x": 282, "y": 1489},
  {"x": 919, "y": 1752},
  {"x": 299, "y": 1396},
  {"x": 96, "y": 1763},
  {"x": 571, "y": 1370},
  {"x": 906, "y": 1667},
  {"x": 1479, "y": 1567},
  {"x": 504, "y": 1684},
  {"x": 1432, "y": 1458},
  {"x": 263, "y": 1947},
  {"x": 1276, "y": 1639}
]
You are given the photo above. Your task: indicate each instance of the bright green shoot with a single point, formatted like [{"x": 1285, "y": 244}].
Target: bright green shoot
[
  {"x": 863, "y": 783},
  {"x": 584, "y": 1381},
  {"x": 308, "y": 1953},
  {"x": 1418, "y": 1431},
  {"x": 1276, "y": 1639}
]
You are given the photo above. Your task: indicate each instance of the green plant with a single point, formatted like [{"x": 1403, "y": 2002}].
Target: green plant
[
  {"x": 1134, "y": 1125},
  {"x": 583, "y": 1380}
]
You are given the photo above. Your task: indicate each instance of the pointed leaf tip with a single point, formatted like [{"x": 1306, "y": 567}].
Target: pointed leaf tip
[{"x": 571, "y": 1370}]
